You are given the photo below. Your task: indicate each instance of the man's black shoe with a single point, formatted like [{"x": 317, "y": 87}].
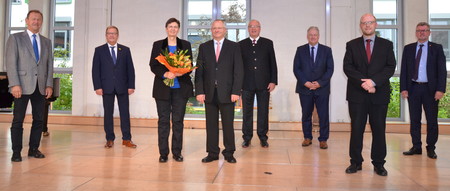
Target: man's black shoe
[
  {"x": 245, "y": 144},
  {"x": 230, "y": 159},
  {"x": 209, "y": 159},
  {"x": 431, "y": 154},
  {"x": 163, "y": 159},
  {"x": 35, "y": 153},
  {"x": 380, "y": 171},
  {"x": 264, "y": 143},
  {"x": 16, "y": 157},
  {"x": 353, "y": 168},
  {"x": 178, "y": 158},
  {"x": 413, "y": 151}
]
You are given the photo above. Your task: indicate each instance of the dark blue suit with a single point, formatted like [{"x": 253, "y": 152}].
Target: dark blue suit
[
  {"x": 307, "y": 71},
  {"x": 423, "y": 94},
  {"x": 115, "y": 80}
]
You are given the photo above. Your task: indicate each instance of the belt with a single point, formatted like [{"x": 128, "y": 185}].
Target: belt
[{"x": 420, "y": 82}]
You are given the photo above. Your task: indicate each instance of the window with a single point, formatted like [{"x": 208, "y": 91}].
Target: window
[
  {"x": 199, "y": 15},
  {"x": 62, "y": 37},
  {"x": 389, "y": 27},
  {"x": 18, "y": 13},
  {"x": 439, "y": 20}
]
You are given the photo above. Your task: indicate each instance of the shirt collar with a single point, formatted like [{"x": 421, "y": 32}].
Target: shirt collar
[
  {"x": 256, "y": 39},
  {"x": 315, "y": 46},
  {"x": 31, "y": 34},
  {"x": 371, "y": 38},
  {"x": 425, "y": 43},
  {"x": 221, "y": 41},
  {"x": 109, "y": 45}
]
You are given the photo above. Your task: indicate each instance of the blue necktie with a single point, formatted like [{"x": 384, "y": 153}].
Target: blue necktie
[
  {"x": 113, "y": 55},
  {"x": 35, "y": 47},
  {"x": 312, "y": 55}
]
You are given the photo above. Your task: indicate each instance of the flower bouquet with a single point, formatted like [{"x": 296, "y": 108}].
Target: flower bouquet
[{"x": 177, "y": 62}]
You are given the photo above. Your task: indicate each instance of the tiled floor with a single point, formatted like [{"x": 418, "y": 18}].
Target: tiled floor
[{"x": 76, "y": 160}]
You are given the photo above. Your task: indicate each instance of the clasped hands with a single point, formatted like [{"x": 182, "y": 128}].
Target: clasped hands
[
  {"x": 312, "y": 85},
  {"x": 368, "y": 85},
  {"x": 171, "y": 75}
]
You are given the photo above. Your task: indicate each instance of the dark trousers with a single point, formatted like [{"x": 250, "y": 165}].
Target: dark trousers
[
  {"x": 20, "y": 108},
  {"x": 124, "y": 110},
  {"x": 175, "y": 106},
  {"x": 262, "y": 123},
  {"x": 45, "y": 118},
  {"x": 212, "y": 127},
  {"x": 377, "y": 120},
  {"x": 421, "y": 96},
  {"x": 322, "y": 104}
]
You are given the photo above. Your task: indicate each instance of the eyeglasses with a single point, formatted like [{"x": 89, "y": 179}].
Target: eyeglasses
[
  {"x": 419, "y": 31},
  {"x": 368, "y": 22},
  {"x": 111, "y": 33},
  {"x": 253, "y": 26}
]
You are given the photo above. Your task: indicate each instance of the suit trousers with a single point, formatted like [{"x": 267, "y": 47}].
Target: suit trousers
[
  {"x": 421, "y": 96},
  {"x": 124, "y": 110},
  {"x": 262, "y": 123},
  {"x": 377, "y": 120},
  {"x": 322, "y": 104},
  {"x": 212, "y": 127},
  {"x": 174, "y": 107},
  {"x": 20, "y": 108}
]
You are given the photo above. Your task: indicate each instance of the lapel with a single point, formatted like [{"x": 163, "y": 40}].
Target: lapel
[
  {"x": 28, "y": 44},
  {"x": 107, "y": 51},
  {"x": 362, "y": 49},
  {"x": 119, "y": 53},
  {"x": 223, "y": 50},
  {"x": 308, "y": 56}
]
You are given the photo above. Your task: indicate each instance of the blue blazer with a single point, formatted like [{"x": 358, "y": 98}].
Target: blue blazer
[
  {"x": 320, "y": 71},
  {"x": 436, "y": 67},
  {"x": 109, "y": 77}
]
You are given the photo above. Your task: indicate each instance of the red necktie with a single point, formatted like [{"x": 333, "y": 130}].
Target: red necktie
[
  {"x": 368, "y": 52},
  {"x": 254, "y": 42}
]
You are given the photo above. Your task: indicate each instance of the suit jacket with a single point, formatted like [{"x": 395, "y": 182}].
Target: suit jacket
[
  {"x": 260, "y": 65},
  {"x": 320, "y": 71},
  {"x": 436, "y": 68},
  {"x": 109, "y": 76},
  {"x": 21, "y": 64},
  {"x": 380, "y": 69},
  {"x": 160, "y": 90},
  {"x": 228, "y": 72}
]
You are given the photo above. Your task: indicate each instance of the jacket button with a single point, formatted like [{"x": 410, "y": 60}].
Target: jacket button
[{"x": 256, "y": 68}]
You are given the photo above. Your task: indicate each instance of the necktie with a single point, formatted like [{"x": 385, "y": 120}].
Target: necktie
[
  {"x": 254, "y": 42},
  {"x": 368, "y": 52},
  {"x": 35, "y": 48},
  {"x": 312, "y": 55},
  {"x": 217, "y": 51},
  {"x": 113, "y": 55},
  {"x": 417, "y": 64}
]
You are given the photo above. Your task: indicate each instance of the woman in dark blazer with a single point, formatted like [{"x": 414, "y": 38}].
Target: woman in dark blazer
[{"x": 170, "y": 101}]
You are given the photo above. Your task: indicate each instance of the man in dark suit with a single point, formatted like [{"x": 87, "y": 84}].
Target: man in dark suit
[
  {"x": 260, "y": 78},
  {"x": 423, "y": 80},
  {"x": 313, "y": 68},
  {"x": 29, "y": 66},
  {"x": 369, "y": 62},
  {"x": 113, "y": 75},
  {"x": 218, "y": 84}
]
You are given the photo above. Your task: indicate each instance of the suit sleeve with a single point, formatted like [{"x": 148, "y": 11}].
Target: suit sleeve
[
  {"x": 273, "y": 65},
  {"x": 326, "y": 77},
  {"x": 383, "y": 76},
  {"x": 441, "y": 70},
  {"x": 12, "y": 55},
  {"x": 157, "y": 68},
  {"x": 298, "y": 70},
  {"x": 199, "y": 83},
  {"x": 354, "y": 76},
  {"x": 49, "y": 82},
  {"x": 96, "y": 70},
  {"x": 130, "y": 70},
  {"x": 238, "y": 79},
  {"x": 404, "y": 70}
]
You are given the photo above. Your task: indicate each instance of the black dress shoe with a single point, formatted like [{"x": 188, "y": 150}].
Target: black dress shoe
[
  {"x": 353, "y": 168},
  {"x": 264, "y": 143},
  {"x": 35, "y": 153},
  {"x": 431, "y": 154},
  {"x": 163, "y": 159},
  {"x": 16, "y": 157},
  {"x": 245, "y": 144},
  {"x": 413, "y": 151},
  {"x": 230, "y": 159},
  {"x": 178, "y": 158},
  {"x": 209, "y": 159},
  {"x": 380, "y": 171}
]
